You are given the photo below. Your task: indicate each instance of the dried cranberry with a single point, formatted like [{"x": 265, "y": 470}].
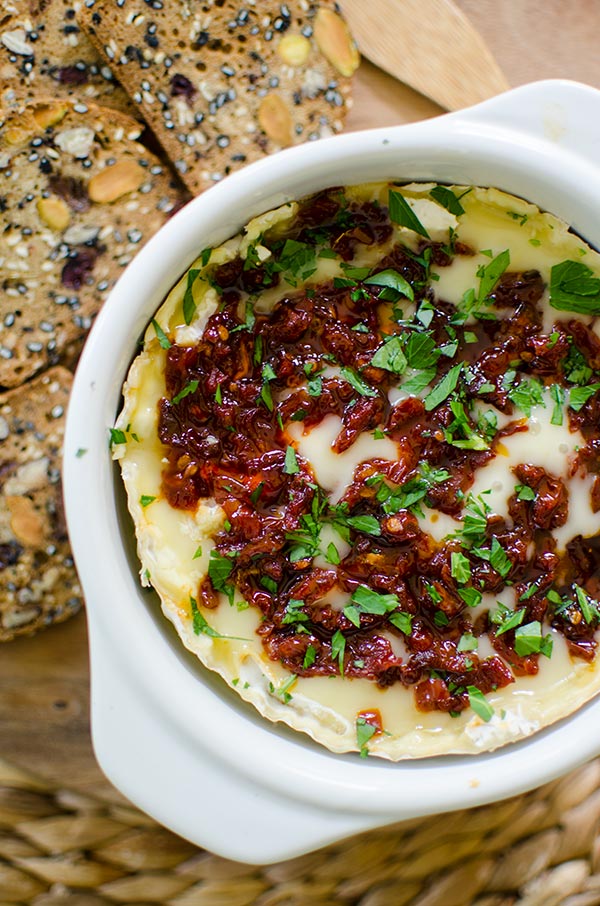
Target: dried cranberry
[{"x": 182, "y": 87}]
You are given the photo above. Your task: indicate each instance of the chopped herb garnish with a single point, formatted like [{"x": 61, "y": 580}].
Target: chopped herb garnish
[
  {"x": 201, "y": 627},
  {"x": 269, "y": 583},
  {"x": 332, "y": 555},
  {"x": 189, "y": 306},
  {"x": 589, "y": 608},
  {"x": 147, "y": 499},
  {"x": 448, "y": 199},
  {"x": 467, "y": 642},
  {"x": 367, "y": 524},
  {"x": 421, "y": 351},
  {"x": 402, "y": 621},
  {"x": 558, "y": 396},
  {"x": 527, "y": 394},
  {"x": 354, "y": 379},
  {"x": 161, "y": 335},
  {"x": 444, "y": 388},
  {"x": 190, "y": 387},
  {"x": 524, "y": 492},
  {"x": 338, "y": 648},
  {"x": 529, "y": 640},
  {"x": 507, "y": 619},
  {"x": 117, "y": 436},
  {"x": 291, "y": 466},
  {"x": 219, "y": 570},
  {"x": 402, "y": 214},
  {"x": 391, "y": 356},
  {"x": 496, "y": 556},
  {"x": 309, "y": 657},
  {"x": 294, "y": 612},
  {"x": 573, "y": 287},
  {"x": 471, "y": 596},
  {"x": 490, "y": 273},
  {"x": 460, "y": 568},
  {"x": 364, "y": 732},
  {"x": 197, "y": 552},
  {"x": 578, "y": 396},
  {"x": 392, "y": 280},
  {"x": 255, "y": 495},
  {"x": 480, "y": 704}
]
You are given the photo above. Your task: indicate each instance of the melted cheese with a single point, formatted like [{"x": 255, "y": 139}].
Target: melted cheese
[{"x": 174, "y": 547}]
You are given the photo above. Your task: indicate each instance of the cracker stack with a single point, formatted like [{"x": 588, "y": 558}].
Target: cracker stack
[
  {"x": 38, "y": 584},
  {"x": 224, "y": 82},
  {"x": 45, "y": 53},
  {"x": 220, "y": 83}
]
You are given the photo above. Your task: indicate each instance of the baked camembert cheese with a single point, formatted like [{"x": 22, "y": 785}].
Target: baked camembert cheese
[{"x": 361, "y": 449}]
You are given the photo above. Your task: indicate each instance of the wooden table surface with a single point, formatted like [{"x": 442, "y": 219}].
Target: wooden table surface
[{"x": 44, "y": 682}]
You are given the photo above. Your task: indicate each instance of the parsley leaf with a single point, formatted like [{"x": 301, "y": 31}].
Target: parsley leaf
[
  {"x": 573, "y": 287},
  {"x": 354, "y": 379},
  {"x": 338, "y": 649},
  {"x": 402, "y": 214},
  {"x": 460, "y": 568},
  {"x": 190, "y": 387},
  {"x": 479, "y": 703},
  {"x": 309, "y": 656},
  {"x": 394, "y": 281},
  {"x": 491, "y": 273},
  {"x": 189, "y": 306},
  {"x": 496, "y": 556},
  {"x": 529, "y": 640},
  {"x": 578, "y": 396},
  {"x": 364, "y": 732},
  {"x": 161, "y": 336},
  {"x": 291, "y": 466},
  {"x": 444, "y": 388},
  {"x": 201, "y": 627},
  {"x": 448, "y": 200},
  {"x": 391, "y": 356}
]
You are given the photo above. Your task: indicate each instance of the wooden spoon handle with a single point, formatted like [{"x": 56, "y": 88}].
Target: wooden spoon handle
[{"x": 428, "y": 44}]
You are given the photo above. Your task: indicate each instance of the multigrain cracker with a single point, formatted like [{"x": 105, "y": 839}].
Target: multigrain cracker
[
  {"x": 44, "y": 52},
  {"x": 222, "y": 82},
  {"x": 38, "y": 582},
  {"x": 79, "y": 196}
]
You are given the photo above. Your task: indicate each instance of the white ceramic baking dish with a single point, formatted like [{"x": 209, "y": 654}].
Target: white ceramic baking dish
[{"x": 171, "y": 736}]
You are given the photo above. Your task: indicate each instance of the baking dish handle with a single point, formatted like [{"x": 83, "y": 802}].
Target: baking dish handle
[{"x": 563, "y": 112}]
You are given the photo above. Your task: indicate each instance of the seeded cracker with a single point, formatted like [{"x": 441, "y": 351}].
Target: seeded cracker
[
  {"x": 78, "y": 198},
  {"x": 224, "y": 82},
  {"x": 44, "y": 53},
  {"x": 38, "y": 583}
]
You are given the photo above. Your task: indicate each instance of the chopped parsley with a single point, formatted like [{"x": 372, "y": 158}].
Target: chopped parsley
[
  {"x": 355, "y": 381},
  {"x": 490, "y": 273},
  {"x": 161, "y": 336},
  {"x": 529, "y": 640},
  {"x": 291, "y": 466},
  {"x": 364, "y": 732},
  {"x": 190, "y": 387},
  {"x": 189, "y": 305},
  {"x": 338, "y": 649},
  {"x": 395, "y": 285},
  {"x": 573, "y": 287},
  {"x": 448, "y": 199},
  {"x": 147, "y": 499},
  {"x": 480, "y": 704},
  {"x": 402, "y": 213}
]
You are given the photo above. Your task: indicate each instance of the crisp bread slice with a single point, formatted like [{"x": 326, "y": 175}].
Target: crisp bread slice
[
  {"x": 78, "y": 197},
  {"x": 38, "y": 582},
  {"x": 45, "y": 53},
  {"x": 222, "y": 82}
]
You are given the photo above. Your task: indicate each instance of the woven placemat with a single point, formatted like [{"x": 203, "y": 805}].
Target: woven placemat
[{"x": 60, "y": 848}]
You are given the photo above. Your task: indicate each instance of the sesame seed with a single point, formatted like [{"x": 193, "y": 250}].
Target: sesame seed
[
  {"x": 35, "y": 346},
  {"x": 57, "y": 411},
  {"x": 223, "y": 141}
]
